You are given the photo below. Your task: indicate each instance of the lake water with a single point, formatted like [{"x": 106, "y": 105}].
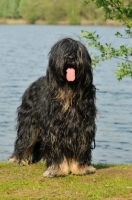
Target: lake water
[{"x": 23, "y": 58}]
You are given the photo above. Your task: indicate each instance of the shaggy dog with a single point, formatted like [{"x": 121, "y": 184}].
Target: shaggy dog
[{"x": 56, "y": 119}]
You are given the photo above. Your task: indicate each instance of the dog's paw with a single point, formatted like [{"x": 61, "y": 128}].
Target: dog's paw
[
  {"x": 77, "y": 169},
  {"x": 54, "y": 171},
  {"x": 19, "y": 161},
  {"x": 13, "y": 160},
  {"x": 50, "y": 172},
  {"x": 90, "y": 170},
  {"x": 24, "y": 162}
]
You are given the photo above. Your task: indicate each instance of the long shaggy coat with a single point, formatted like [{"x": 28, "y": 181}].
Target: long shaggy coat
[{"x": 56, "y": 119}]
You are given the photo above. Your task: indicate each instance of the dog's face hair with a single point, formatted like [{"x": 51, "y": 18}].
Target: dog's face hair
[{"x": 69, "y": 62}]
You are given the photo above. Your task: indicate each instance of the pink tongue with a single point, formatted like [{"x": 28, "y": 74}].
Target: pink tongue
[{"x": 70, "y": 76}]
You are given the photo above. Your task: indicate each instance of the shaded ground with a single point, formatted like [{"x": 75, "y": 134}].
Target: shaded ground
[{"x": 26, "y": 182}]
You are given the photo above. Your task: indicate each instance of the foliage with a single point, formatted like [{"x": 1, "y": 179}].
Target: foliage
[
  {"x": 73, "y": 9},
  {"x": 90, "y": 13},
  {"x": 114, "y": 10},
  {"x": 27, "y": 182},
  {"x": 55, "y": 11},
  {"x": 9, "y": 8},
  {"x": 52, "y": 12},
  {"x": 29, "y": 9}
]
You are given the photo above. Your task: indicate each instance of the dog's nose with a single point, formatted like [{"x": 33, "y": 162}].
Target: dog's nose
[{"x": 71, "y": 59}]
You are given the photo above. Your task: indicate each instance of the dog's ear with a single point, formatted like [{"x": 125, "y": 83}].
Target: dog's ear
[
  {"x": 54, "y": 71},
  {"x": 56, "y": 57},
  {"x": 85, "y": 64},
  {"x": 88, "y": 67}
]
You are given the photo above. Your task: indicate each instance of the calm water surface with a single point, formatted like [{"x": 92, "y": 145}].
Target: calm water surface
[{"x": 23, "y": 59}]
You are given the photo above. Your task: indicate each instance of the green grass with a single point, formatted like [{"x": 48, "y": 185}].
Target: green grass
[{"x": 110, "y": 182}]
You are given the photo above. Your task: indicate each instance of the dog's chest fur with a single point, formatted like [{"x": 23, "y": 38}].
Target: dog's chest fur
[
  {"x": 66, "y": 98},
  {"x": 63, "y": 111}
]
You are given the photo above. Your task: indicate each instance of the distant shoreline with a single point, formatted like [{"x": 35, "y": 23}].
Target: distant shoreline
[{"x": 40, "y": 22}]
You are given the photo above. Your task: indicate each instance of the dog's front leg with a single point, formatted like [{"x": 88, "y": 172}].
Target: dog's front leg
[{"x": 23, "y": 148}]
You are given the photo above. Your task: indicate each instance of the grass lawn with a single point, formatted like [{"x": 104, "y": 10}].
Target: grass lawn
[{"x": 110, "y": 182}]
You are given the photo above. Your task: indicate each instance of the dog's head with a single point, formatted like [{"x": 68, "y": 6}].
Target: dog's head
[{"x": 70, "y": 62}]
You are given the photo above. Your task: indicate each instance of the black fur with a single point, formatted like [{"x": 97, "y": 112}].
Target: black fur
[{"x": 56, "y": 119}]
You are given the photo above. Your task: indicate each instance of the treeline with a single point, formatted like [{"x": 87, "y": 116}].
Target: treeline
[{"x": 51, "y": 11}]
